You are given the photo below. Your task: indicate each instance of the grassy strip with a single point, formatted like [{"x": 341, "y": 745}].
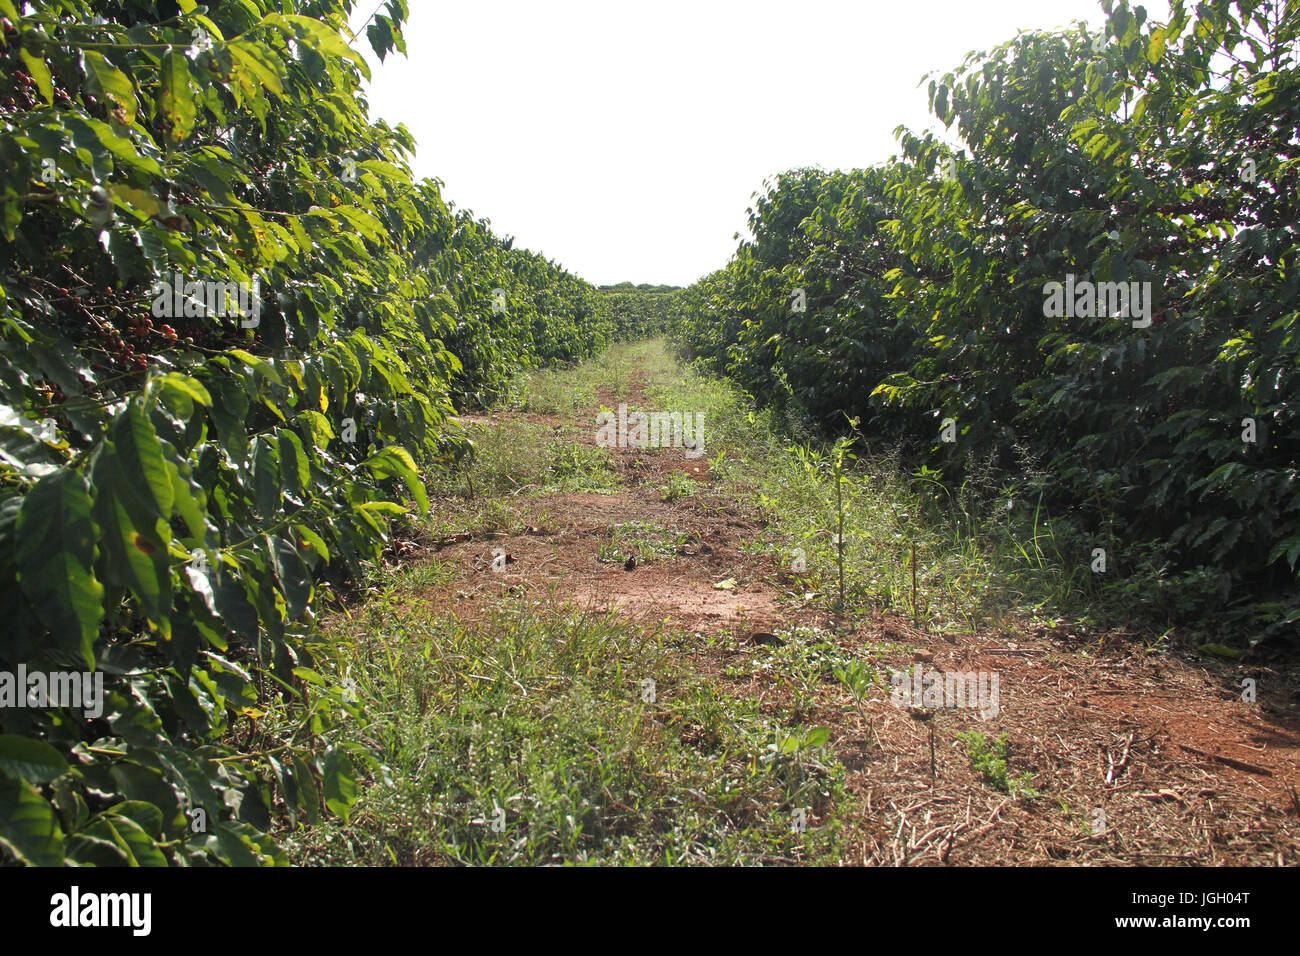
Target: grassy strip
[{"x": 545, "y": 736}]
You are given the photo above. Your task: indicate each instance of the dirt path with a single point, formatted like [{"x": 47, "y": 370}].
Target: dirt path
[{"x": 1137, "y": 757}]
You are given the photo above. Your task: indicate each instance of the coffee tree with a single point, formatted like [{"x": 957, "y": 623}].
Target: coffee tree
[
  {"x": 232, "y": 329},
  {"x": 1147, "y": 173}
]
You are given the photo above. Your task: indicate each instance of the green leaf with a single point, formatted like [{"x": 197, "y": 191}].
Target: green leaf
[
  {"x": 1156, "y": 46},
  {"x": 362, "y": 222},
  {"x": 396, "y": 462},
  {"x": 310, "y": 540},
  {"x": 99, "y": 139},
  {"x": 192, "y": 386},
  {"x": 110, "y": 82},
  {"x": 321, "y": 431},
  {"x": 189, "y": 501},
  {"x": 56, "y": 558},
  {"x": 129, "y": 837},
  {"x": 261, "y": 366},
  {"x": 136, "y": 450},
  {"x": 148, "y": 816},
  {"x": 40, "y": 72},
  {"x": 134, "y": 557},
  {"x": 292, "y": 574},
  {"x": 176, "y": 98},
  {"x": 387, "y": 170},
  {"x": 382, "y": 507},
  {"x": 138, "y": 200},
  {"x": 308, "y": 792},
  {"x": 816, "y": 737},
  {"x": 237, "y": 846},
  {"x": 256, "y": 61},
  {"x": 29, "y": 827},
  {"x": 340, "y": 783},
  {"x": 134, "y": 498},
  {"x": 266, "y": 476},
  {"x": 294, "y": 469},
  {"x": 32, "y": 760},
  {"x": 325, "y": 40}
]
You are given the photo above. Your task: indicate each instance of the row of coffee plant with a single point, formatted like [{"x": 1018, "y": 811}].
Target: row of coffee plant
[
  {"x": 233, "y": 331},
  {"x": 1089, "y": 287}
]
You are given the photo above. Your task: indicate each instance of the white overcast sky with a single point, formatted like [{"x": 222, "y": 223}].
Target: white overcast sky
[{"x": 625, "y": 140}]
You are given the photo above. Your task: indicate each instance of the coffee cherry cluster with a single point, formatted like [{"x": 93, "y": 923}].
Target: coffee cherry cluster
[{"x": 124, "y": 355}]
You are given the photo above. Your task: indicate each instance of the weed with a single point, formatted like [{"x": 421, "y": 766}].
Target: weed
[
  {"x": 641, "y": 540},
  {"x": 679, "y": 486},
  {"x": 988, "y": 758},
  {"x": 525, "y": 739}
]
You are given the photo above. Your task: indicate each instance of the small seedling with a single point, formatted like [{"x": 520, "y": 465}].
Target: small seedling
[{"x": 988, "y": 758}]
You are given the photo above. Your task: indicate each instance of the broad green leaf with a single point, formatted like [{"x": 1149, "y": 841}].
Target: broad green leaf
[
  {"x": 99, "y": 138},
  {"x": 176, "y": 97},
  {"x": 261, "y": 366},
  {"x": 309, "y": 540},
  {"x": 237, "y": 846},
  {"x": 1156, "y": 46},
  {"x": 386, "y": 170},
  {"x": 295, "y": 471},
  {"x": 292, "y": 574},
  {"x": 133, "y": 504},
  {"x": 321, "y": 431},
  {"x": 308, "y": 790},
  {"x": 129, "y": 837},
  {"x": 192, "y": 387},
  {"x": 382, "y": 507},
  {"x": 111, "y": 83},
  {"x": 134, "y": 557},
  {"x": 40, "y": 72},
  {"x": 340, "y": 783},
  {"x": 146, "y": 815},
  {"x": 396, "y": 462},
  {"x": 138, "y": 200},
  {"x": 189, "y": 502},
  {"x": 816, "y": 737},
  {"x": 56, "y": 558},
  {"x": 135, "y": 448},
  {"x": 28, "y": 759},
  {"x": 363, "y": 222},
  {"x": 29, "y": 827},
  {"x": 266, "y": 475},
  {"x": 258, "y": 63},
  {"x": 326, "y": 40}
]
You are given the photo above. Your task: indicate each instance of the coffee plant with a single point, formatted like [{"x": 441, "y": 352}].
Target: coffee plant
[
  {"x": 639, "y": 311},
  {"x": 915, "y": 294},
  {"x": 233, "y": 330}
]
